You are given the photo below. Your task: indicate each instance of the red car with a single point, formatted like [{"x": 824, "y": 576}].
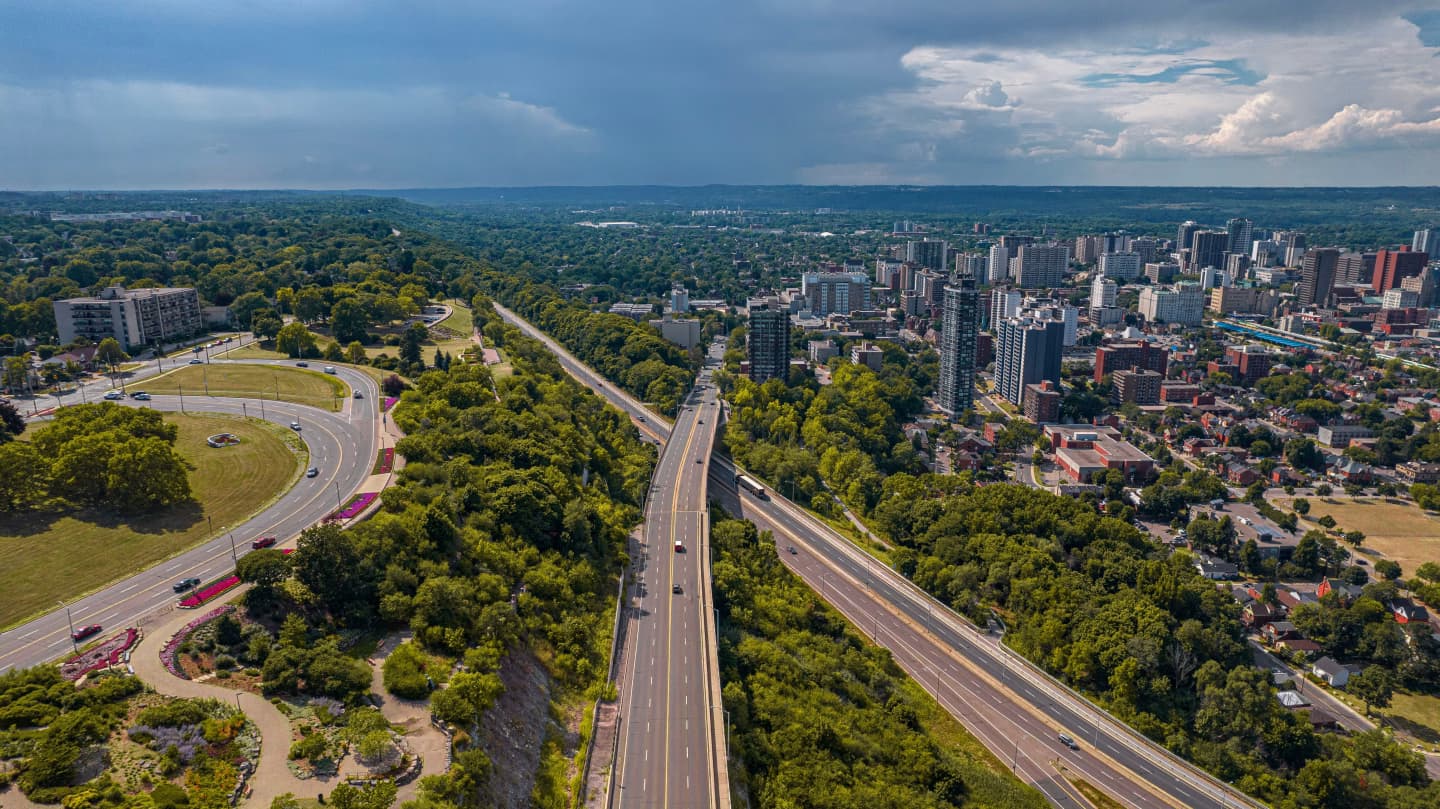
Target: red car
[
  {"x": 85, "y": 631},
  {"x": 262, "y": 542}
]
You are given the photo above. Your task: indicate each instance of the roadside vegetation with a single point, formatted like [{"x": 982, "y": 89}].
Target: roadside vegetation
[{"x": 295, "y": 385}]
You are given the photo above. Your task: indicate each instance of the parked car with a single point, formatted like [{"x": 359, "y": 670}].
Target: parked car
[
  {"x": 263, "y": 542},
  {"x": 85, "y": 631},
  {"x": 312, "y": 472},
  {"x": 114, "y": 395},
  {"x": 302, "y": 364},
  {"x": 185, "y": 584}
]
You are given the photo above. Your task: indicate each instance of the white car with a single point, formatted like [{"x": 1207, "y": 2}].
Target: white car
[
  {"x": 113, "y": 395},
  {"x": 295, "y": 425}
]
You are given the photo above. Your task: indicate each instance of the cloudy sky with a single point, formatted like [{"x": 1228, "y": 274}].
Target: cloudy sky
[{"x": 425, "y": 93}]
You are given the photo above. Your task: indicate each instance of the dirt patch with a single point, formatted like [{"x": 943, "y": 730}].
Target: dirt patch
[{"x": 512, "y": 732}]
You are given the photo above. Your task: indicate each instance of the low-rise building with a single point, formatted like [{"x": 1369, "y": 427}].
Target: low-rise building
[
  {"x": 822, "y": 350},
  {"x": 1041, "y": 403},
  {"x": 1416, "y": 472},
  {"x": 134, "y": 317},
  {"x": 1138, "y": 387},
  {"x": 1339, "y": 436},
  {"x": 868, "y": 355},
  {"x": 1083, "y": 450}
]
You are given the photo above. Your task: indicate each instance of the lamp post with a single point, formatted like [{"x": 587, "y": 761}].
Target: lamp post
[
  {"x": 234, "y": 555},
  {"x": 181, "y": 388},
  {"x": 338, "y": 504},
  {"x": 74, "y": 643}
]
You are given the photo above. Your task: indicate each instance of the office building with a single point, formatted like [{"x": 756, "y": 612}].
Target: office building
[
  {"x": 1066, "y": 314},
  {"x": 930, "y": 253},
  {"x": 1317, "y": 276},
  {"x": 1115, "y": 242},
  {"x": 684, "y": 333},
  {"x": 1243, "y": 301},
  {"x": 134, "y": 317},
  {"x": 1294, "y": 243},
  {"x": 958, "y": 341},
  {"x": 1027, "y": 352},
  {"x": 1124, "y": 266},
  {"x": 1087, "y": 249},
  {"x": 1145, "y": 247},
  {"x": 1129, "y": 356},
  {"x": 1185, "y": 236},
  {"x": 1211, "y": 277},
  {"x": 1392, "y": 266},
  {"x": 887, "y": 274},
  {"x": 1041, "y": 266},
  {"x": 1042, "y": 403},
  {"x": 1139, "y": 387},
  {"x": 1426, "y": 241},
  {"x": 974, "y": 265},
  {"x": 1003, "y": 303},
  {"x": 999, "y": 263},
  {"x": 679, "y": 300},
  {"x": 1181, "y": 305},
  {"x": 1252, "y": 361},
  {"x": 767, "y": 340},
  {"x": 1400, "y": 298},
  {"x": 835, "y": 293},
  {"x": 1355, "y": 268},
  {"x": 1266, "y": 253},
  {"x": 1208, "y": 249},
  {"x": 1238, "y": 231},
  {"x": 1236, "y": 265},
  {"x": 1161, "y": 272},
  {"x": 1102, "y": 293}
]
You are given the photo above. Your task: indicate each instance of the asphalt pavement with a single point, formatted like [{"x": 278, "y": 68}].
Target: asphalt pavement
[{"x": 343, "y": 446}]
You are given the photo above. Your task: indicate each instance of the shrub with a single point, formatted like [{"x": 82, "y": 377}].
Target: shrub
[
  {"x": 224, "y": 661},
  {"x": 174, "y": 714},
  {"x": 168, "y": 796},
  {"x": 310, "y": 747},
  {"x": 405, "y": 672}
]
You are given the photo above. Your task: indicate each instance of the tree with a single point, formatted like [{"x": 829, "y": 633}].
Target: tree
[
  {"x": 1375, "y": 685},
  {"x": 17, "y": 371},
  {"x": 1324, "y": 490},
  {"x": 295, "y": 340},
  {"x": 12, "y": 423},
  {"x": 1301, "y": 506},
  {"x": 410, "y": 343},
  {"x": 355, "y": 353},
  {"x": 24, "y": 476},
  {"x": 378, "y": 795},
  {"x": 1355, "y": 538},
  {"x": 265, "y": 569},
  {"x": 309, "y": 304},
  {"x": 1389, "y": 569},
  {"x": 1302, "y": 453},
  {"x": 110, "y": 354},
  {"x": 326, "y": 561},
  {"x": 393, "y": 385},
  {"x": 266, "y": 324},
  {"x": 348, "y": 320},
  {"x": 1327, "y": 521},
  {"x": 333, "y": 352},
  {"x": 243, "y": 308}
]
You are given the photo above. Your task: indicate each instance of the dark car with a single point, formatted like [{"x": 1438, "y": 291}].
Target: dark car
[
  {"x": 85, "y": 631},
  {"x": 1068, "y": 742},
  {"x": 312, "y": 471},
  {"x": 675, "y": 588},
  {"x": 185, "y": 584},
  {"x": 263, "y": 542},
  {"x": 302, "y": 365}
]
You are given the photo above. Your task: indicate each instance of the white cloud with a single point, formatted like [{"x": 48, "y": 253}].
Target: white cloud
[{"x": 1247, "y": 94}]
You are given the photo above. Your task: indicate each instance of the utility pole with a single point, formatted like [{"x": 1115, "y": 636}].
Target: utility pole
[
  {"x": 234, "y": 555},
  {"x": 181, "y": 388},
  {"x": 74, "y": 643}
]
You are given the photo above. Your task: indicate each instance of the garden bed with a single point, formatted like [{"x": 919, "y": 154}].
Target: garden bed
[
  {"x": 385, "y": 463},
  {"x": 317, "y": 737},
  {"x": 170, "y": 652},
  {"x": 357, "y": 504},
  {"x": 208, "y": 592},
  {"x": 389, "y": 403},
  {"x": 108, "y": 653}
]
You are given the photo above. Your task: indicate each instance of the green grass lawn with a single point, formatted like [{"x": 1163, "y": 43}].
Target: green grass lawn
[
  {"x": 460, "y": 320},
  {"x": 67, "y": 554},
  {"x": 298, "y": 385}
]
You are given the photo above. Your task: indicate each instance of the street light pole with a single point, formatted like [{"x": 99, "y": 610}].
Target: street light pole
[
  {"x": 74, "y": 643},
  {"x": 338, "y": 504},
  {"x": 234, "y": 556}
]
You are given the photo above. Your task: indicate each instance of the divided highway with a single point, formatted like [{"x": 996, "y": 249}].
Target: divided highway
[
  {"x": 671, "y": 722},
  {"x": 343, "y": 446},
  {"x": 1014, "y": 709}
]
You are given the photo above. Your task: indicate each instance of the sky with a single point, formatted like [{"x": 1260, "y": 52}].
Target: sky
[{"x": 328, "y": 94}]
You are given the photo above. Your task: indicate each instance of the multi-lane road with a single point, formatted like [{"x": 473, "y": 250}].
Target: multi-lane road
[
  {"x": 342, "y": 446},
  {"x": 670, "y": 700},
  {"x": 1015, "y": 710}
]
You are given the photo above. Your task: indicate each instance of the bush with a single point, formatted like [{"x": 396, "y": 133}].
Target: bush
[
  {"x": 168, "y": 796},
  {"x": 224, "y": 662},
  {"x": 309, "y": 748},
  {"x": 174, "y": 714},
  {"x": 405, "y": 672}
]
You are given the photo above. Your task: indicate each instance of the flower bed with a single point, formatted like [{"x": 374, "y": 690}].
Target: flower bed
[
  {"x": 169, "y": 653},
  {"x": 107, "y": 654},
  {"x": 208, "y": 592},
  {"x": 389, "y": 403},
  {"x": 356, "y": 505},
  {"x": 385, "y": 462}
]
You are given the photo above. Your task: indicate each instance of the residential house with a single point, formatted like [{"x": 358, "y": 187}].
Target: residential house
[
  {"x": 1332, "y": 671},
  {"x": 1407, "y": 611},
  {"x": 1257, "y": 614},
  {"x": 1279, "y": 630},
  {"x": 1343, "y": 590},
  {"x": 1241, "y": 475},
  {"x": 1349, "y": 470},
  {"x": 1215, "y": 569}
]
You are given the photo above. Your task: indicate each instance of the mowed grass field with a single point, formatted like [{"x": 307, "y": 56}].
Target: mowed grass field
[
  {"x": 67, "y": 554},
  {"x": 460, "y": 319},
  {"x": 1400, "y": 530},
  {"x": 297, "y": 385}
]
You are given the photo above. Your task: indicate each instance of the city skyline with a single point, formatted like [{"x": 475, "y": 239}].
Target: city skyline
[{"x": 326, "y": 95}]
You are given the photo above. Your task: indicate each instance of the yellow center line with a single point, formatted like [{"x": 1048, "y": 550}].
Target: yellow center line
[{"x": 670, "y": 613}]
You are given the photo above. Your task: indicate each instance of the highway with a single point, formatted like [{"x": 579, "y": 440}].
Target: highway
[
  {"x": 343, "y": 446},
  {"x": 1014, "y": 709},
  {"x": 667, "y": 752}
]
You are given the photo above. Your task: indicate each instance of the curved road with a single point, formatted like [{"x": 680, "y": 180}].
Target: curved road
[{"x": 342, "y": 445}]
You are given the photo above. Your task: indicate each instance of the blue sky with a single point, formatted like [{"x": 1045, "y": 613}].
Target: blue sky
[{"x": 375, "y": 93}]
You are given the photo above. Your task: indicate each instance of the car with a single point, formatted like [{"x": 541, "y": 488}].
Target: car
[
  {"x": 302, "y": 364},
  {"x": 85, "y": 631},
  {"x": 359, "y": 395},
  {"x": 642, "y": 419},
  {"x": 329, "y": 369},
  {"x": 676, "y": 589},
  {"x": 295, "y": 425},
  {"x": 1068, "y": 742},
  {"x": 263, "y": 542},
  {"x": 312, "y": 472},
  {"x": 185, "y": 584},
  {"x": 113, "y": 395},
  {"x": 697, "y": 460},
  {"x": 141, "y": 396},
  {"x": 197, "y": 361},
  {"x": 702, "y": 421},
  {"x": 791, "y": 549}
]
